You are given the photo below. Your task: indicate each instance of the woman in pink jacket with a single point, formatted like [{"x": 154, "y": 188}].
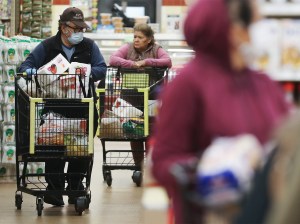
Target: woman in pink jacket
[
  {"x": 143, "y": 52},
  {"x": 215, "y": 95}
]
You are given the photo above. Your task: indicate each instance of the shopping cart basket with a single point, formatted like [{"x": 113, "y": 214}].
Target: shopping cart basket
[
  {"x": 54, "y": 124},
  {"x": 129, "y": 110}
]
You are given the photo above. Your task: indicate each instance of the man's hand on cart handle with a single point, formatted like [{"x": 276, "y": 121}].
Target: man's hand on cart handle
[{"x": 30, "y": 71}]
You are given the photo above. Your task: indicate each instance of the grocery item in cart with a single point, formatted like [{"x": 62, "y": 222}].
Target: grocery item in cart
[
  {"x": 57, "y": 65},
  {"x": 51, "y": 131},
  {"x": 125, "y": 110},
  {"x": 74, "y": 125},
  {"x": 225, "y": 171},
  {"x": 111, "y": 125},
  {"x": 85, "y": 69},
  {"x": 76, "y": 145},
  {"x": 50, "y": 134},
  {"x": 134, "y": 127}
]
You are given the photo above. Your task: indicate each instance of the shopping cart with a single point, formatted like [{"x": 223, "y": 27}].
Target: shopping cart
[
  {"x": 129, "y": 111},
  {"x": 54, "y": 124}
]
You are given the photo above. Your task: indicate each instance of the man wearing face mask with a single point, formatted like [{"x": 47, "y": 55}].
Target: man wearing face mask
[{"x": 69, "y": 42}]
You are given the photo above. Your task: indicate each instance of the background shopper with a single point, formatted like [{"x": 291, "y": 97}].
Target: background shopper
[
  {"x": 69, "y": 42},
  {"x": 215, "y": 94},
  {"x": 143, "y": 52}
]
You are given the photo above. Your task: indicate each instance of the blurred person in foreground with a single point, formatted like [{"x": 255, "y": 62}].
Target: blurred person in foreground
[
  {"x": 69, "y": 42},
  {"x": 142, "y": 52},
  {"x": 216, "y": 94}
]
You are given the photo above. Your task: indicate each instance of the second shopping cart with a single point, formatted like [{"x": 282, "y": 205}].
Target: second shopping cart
[{"x": 129, "y": 110}]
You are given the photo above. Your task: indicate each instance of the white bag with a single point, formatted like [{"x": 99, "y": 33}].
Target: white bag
[{"x": 125, "y": 110}]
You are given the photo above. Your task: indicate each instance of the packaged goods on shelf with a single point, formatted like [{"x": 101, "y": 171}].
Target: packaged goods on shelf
[
  {"x": 36, "y": 18},
  {"x": 9, "y": 154},
  {"x": 8, "y": 135},
  {"x": 7, "y": 173},
  {"x": 290, "y": 54},
  {"x": 267, "y": 57}
]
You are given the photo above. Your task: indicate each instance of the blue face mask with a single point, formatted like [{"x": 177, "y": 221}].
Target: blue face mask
[{"x": 76, "y": 38}]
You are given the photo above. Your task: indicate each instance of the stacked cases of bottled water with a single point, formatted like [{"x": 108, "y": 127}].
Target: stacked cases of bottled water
[{"x": 13, "y": 51}]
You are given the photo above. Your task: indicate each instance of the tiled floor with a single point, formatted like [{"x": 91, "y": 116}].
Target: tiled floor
[{"x": 118, "y": 204}]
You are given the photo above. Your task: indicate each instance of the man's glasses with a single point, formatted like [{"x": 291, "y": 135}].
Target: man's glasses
[{"x": 76, "y": 30}]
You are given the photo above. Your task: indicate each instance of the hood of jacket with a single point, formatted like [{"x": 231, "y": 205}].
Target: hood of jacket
[{"x": 206, "y": 29}]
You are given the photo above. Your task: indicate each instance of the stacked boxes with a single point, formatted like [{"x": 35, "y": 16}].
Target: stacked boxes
[
  {"x": 36, "y": 16},
  {"x": 13, "y": 52}
]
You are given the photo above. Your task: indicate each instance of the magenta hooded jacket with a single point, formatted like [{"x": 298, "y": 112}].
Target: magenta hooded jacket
[{"x": 209, "y": 99}]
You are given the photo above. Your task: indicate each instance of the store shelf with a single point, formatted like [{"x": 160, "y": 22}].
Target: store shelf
[
  {"x": 126, "y": 36},
  {"x": 280, "y": 9}
]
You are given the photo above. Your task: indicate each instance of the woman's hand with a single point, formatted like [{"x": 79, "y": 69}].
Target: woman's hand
[{"x": 139, "y": 64}]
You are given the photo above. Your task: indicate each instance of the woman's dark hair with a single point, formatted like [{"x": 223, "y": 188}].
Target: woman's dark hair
[
  {"x": 146, "y": 30},
  {"x": 240, "y": 11}
]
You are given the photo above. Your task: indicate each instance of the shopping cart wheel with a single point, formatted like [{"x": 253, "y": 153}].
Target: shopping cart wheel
[
  {"x": 80, "y": 204},
  {"x": 39, "y": 205},
  {"x": 103, "y": 172},
  {"x": 88, "y": 200},
  {"x": 137, "y": 178},
  {"x": 108, "y": 177},
  {"x": 18, "y": 200}
]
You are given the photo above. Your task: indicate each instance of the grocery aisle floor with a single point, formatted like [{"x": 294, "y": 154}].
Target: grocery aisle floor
[{"x": 118, "y": 204}]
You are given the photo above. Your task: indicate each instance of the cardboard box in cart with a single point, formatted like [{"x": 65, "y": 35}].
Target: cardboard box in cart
[{"x": 57, "y": 65}]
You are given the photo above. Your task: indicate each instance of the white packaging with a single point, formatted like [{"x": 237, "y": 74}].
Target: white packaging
[
  {"x": 8, "y": 134},
  {"x": 1, "y": 117},
  {"x": 21, "y": 167},
  {"x": 74, "y": 126},
  {"x": 58, "y": 65},
  {"x": 11, "y": 53},
  {"x": 267, "y": 49},
  {"x": 25, "y": 49},
  {"x": 1, "y": 50},
  {"x": 125, "y": 110},
  {"x": 226, "y": 169},
  {"x": 153, "y": 107},
  {"x": 290, "y": 50},
  {"x": 1, "y": 153},
  {"x": 40, "y": 168},
  {"x": 9, "y": 94},
  {"x": 80, "y": 68},
  {"x": 1, "y": 70},
  {"x": 33, "y": 168},
  {"x": 9, "y": 113},
  {"x": 1, "y": 94},
  {"x": 9, "y": 154},
  {"x": 9, "y": 73}
]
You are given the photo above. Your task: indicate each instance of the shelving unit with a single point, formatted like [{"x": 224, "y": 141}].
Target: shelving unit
[
  {"x": 175, "y": 44},
  {"x": 288, "y": 9}
]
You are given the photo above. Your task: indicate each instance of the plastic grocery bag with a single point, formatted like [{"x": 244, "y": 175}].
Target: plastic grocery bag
[
  {"x": 134, "y": 127},
  {"x": 51, "y": 131},
  {"x": 111, "y": 125},
  {"x": 125, "y": 110},
  {"x": 226, "y": 169}
]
